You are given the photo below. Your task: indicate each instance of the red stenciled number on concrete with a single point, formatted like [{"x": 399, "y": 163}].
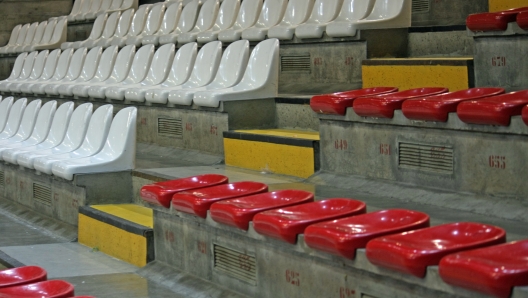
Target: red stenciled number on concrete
[
  {"x": 385, "y": 149},
  {"x": 188, "y": 126},
  {"x": 497, "y": 162},
  {"x": 22, "y": 184},
  {"x": 56, "y": 198},
  {"x": 346, "y": 292},
  {"x": 8, "y": 180},
  {"x": 293, "y": 277},
  {"x": 498, "y": 61},
  {"x": 143, "y": 121},
  {"x": 75, "y": 204},
  {"x": 202, "y": 247},
  {"x": 214, "y": 130},
  {"x": 169, "y": 236},
  {"x": 340, "y": 144},
  {"x": 244, "y": 263},
  {"x": 349, "y": 60},
  {"x": 318, "y": 61}
]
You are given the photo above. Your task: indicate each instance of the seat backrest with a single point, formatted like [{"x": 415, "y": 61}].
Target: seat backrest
[
  {"x": 122, "y": 65},
  {"x": 127, "y": 4},
  {"x": 98, "y": 26},
  {"x": 38, "y": 65},
  {"x": 106, "y": 64},
  {"x": 124, "y": 23},
  {"x": 29, "y": 62},
  {"x": 110, "y": 25},
  {"x": 182, "y": 65},
  {"x": 85, "y": 6},
  {"x": 77, "y": 126},
  {"x": 140, "y": 65},
  {"x": 385, "y": 9},
  {"x": 76, "y": 64},
  {"x": 354, "y": 10},
  {"x": 206, "y": 65},
  {"x": 97, "y": 131},
  {"x": 153, "y": 21},
  {"x": 14, "y": 118},
  {"x": 59, "y": 124},
  {"x": 48, "y": 33},
  {"x": 94, "y": 6},
  {"x": 18, "y": 66},
  {"x": 91, "y": 63},
  {"x": 14, "y": 35},
  {"x": 227, "y": 15},
  {"x": 170, "y": 18},
  {"x": 43, "y": 122},
  {"x": 207, "y": 16},
  {"x": 325, "y": 11},
  {"x": 39, "y": 33},
  {"x": 63, "y": 64},
  {"x": 59, "y": 30},
  {"x": 263, "y": 66},
  {"x": 51, "y": 64},
  {"x": 5, "y": 108},
  {"x": 116, "y": 4},
  {"x": 22, "y": 34},
  {"x": 105, "y": 5},
  {"x": 248, "y": 14},
  {"x": 138, "y": 22},
  {"x": 160, "y": 66},
  {"x": 188, "y": 17},
  {"x": 27, "y": 123},
  {"x": 271, "y": 13},
  {"x": 30, "y": 34},
  {"x": 232, "y": 65},
  {"x": 76, "y": 6}
]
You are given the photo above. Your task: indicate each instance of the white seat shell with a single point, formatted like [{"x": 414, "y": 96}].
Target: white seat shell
[
  {"x": 15, "y": 72},
  {"x": 37, "y": 74},
  {"x": 186, "y": 22},
  {"x": 13, "y": 119},
  {"x": 136, "y": 26},
  {"x": 297, "y": 12},
  {"x": 168, "y": 24},
  {"x": 65, "y": 67},
  {"x": 227, "y": 15},
  {"x": 5, "y": 108},
  {"x": 94, "y": 7},
  {"x": 60, "y": 32},
  {"x": 21, "y": 37},
  {"x": 152, "y": 24},
  {"x": 97, "y": 30},
  {"x": 12, "y": 38},
  {"x": 271, "y": 14},
  {"x": 247, "y": 17},
  {"x": 27, "y": 123},
  {"x": 205, "y": 21}
]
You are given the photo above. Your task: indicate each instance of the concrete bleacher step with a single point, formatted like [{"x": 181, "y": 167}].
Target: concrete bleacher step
[
  {"x": 124, "y": 231},
  {"x": 279, "y": 151},
  {"x": 408, "y": 73}
]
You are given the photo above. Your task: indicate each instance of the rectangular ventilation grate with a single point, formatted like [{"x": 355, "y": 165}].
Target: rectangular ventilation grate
[
  {"x": 42, "y": 194},
  {"x": 296, "y": 63},
  {"x": 235, "y": 264},
  {"x": 170, "y": 127},
  {"x": 423, "y": 157},
  {"x": 2, "y": 179},
  {"x": 420, "y": 6}
]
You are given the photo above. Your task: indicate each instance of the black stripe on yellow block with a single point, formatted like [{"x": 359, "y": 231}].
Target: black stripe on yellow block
[{"x": 117, "y": 237}]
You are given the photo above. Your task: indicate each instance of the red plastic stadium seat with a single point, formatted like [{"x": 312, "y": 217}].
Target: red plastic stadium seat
[
  {"x": 21, "y": 276},
  {"x": 437, "y": 108},
  {"x": 48, "y": 289},
  {"x": 495, "y": 110},
  {"x": 197, "y": 202},
  {"x": 411, "y": 252},
  {"x": 240, "y": 211},
  {"x": 525, "y": 115},
  {"x": 343, "y": 236},
  {"x": 493, "y": 21},
  {"x": 161, "y": 193},
  {"x": 286, "y": 223},
  {"x": 337, "y": 103},
  {"x": 383, "y": 106},
  {"x": 522, "y": 20},
  {"x": 493, "y": 270}
]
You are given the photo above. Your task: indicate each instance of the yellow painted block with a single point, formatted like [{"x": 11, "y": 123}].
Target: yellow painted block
[
  {"x": 416, "y": 76},
  {"x": 134, "y": 213},
  {"x": 499, "y": 5},
  {"x": 113, "y": 241},
  {"x": 276, "y": 158},
  {"x": 288, "y": 133}
]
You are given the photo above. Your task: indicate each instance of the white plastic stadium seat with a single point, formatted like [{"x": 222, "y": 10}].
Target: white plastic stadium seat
[
  {"x": 385, "y": 14},
  {"x": 38, "y": 74},
  {"x": 30, "y": 34},
  {"x": 83, "y": 8},
  {"x": 37, "y": 37},
  {"x": 105, "y": 5},
  {"x": 168, "y": 24},
  {"x": 205, "y": 21},
  {"x": 232, "y": 66},
  {"x": 94, "y": 7},
  {"x": 115, "y": 6},
  {"x": 323, "y": 13},
  {"x": 93, "y": 142},
  {"x": 12, "y": 38},
  {"x": 152, "y": 24},
  {"x": 247, "y": 17},
  {"x": 75, "y": 9},
  {"x": 226, "y": 18},
  {"x": 186, "y": 22},
  {"x": 128, "y": 4},
  {"x": 118, "y": 153},
  {"x": 13, "y": 119},
  {"x": 27, "y": 123},
  {"x": 136, "y": 26},
  {"x": 260, "y": 78},
  {"x": 271, "y": 14},
  {"x": 19, "y": 41},
  {"x": 29, "y": 63},
  {"x": 116, "y": 25},
  {"x": 73, "y": 71},
  {"x": 60, "y": 33},
  {"x": 15, "y": 72},
  {"x": 5, "y": 108},
  {"x": 46, "y": 37},
  {"x": 297, "y": 12},
  {"x": 204, "y": 70},
  {"x": 97, "y": 30}
]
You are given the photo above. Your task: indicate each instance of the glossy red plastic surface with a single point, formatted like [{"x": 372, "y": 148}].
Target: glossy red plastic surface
[
  {"x": 493, "y": 21},
  {"x": 286, "y": 223},
  {"x": 383, "y": 106},
  {"x": 343, "y": 236},
  {"x": 437, "y": 108},
  {"x": 21, "y": 276},
  {"x": 411, "y": 252},
  {"x": 522, "y": 20},
  {"x": 161, "y": 193},
  {"x": 198, "y": 201},
  {"x": 240, "y": 211},
  {"x": 337, "y": 103},
  {"x": 47, "y": 289},
  {"x": 493, "y": 270},
  {"x": 495, "y": 110},
  {"x": 524, "y": 115}
]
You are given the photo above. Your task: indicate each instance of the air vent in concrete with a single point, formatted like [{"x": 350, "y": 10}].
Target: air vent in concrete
[
  {"x": 236, "y": 264},
  {"x": 296, "y": 63},
  {"x": 420, "y": 6},
  {"x": 42, "y": 194},
  {"x": 2, "y": 179},
  {"x": 170, "y": 127},
  {"x": 432, "y": 158}
]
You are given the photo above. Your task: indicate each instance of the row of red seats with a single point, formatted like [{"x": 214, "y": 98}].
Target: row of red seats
[
  {"x": 31, "y": 282},
  {"x": 498, "y": 21},
  {"x": 488, "y": 106},
  {"x": 397, "y": 239}
]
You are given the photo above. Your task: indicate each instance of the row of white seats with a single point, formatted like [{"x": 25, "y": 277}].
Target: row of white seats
[
  {"x": 64, "y": 141},
  {"x": 37, "y": 36},
  {"x": 84, "y": 10},
  {"x": 188, "y": 76},
  {"x": 254, "y": 20}
]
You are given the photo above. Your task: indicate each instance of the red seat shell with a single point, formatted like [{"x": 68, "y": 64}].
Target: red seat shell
[
  {"x": 48, "y": 289},
  {"x": 524, "y": 115},
  {"x": 161, "y": 193},
  {"x": 383, "y": 106},
  {"x": 411, "y": 252},
  {"x": 493, "y": 21},
  {"x": 240, "y": 211},
  {"x": 495, "y": 110},
  {"x": 493, "y": 270},
  {"x": 437, "y": 108},
  {"x": 286, "y": 223},
  {"x": 343, "y": 236},
  {"x": 22, "y": 275},
  {"x": 198, "y": 201},
  {"x": 522, "y": 20},
  {"x": 337, "y": 103}
]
